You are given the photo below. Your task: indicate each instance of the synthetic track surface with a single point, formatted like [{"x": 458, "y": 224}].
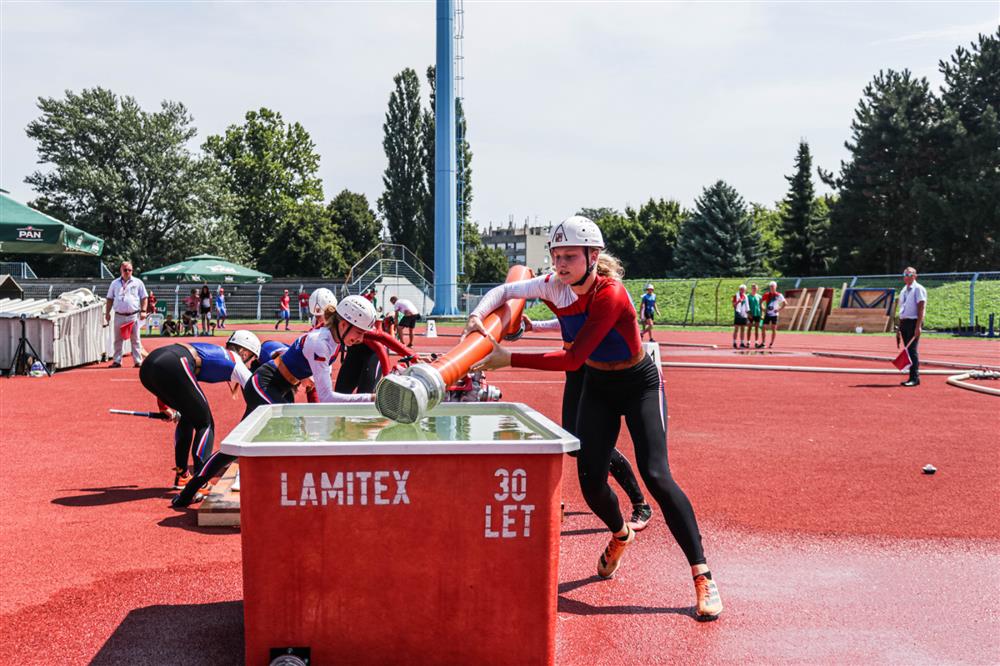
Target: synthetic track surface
[{"x": 828, "y": 543}]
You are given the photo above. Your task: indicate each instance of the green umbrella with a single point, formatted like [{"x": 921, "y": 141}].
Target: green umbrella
[
  {"x": 206, "y": 268},
  {"x": 24, "y": 230}
]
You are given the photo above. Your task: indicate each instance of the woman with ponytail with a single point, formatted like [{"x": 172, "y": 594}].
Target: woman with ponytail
[
  {"x": 601, "y": 336},
  {"x": 310, "y": 357}
]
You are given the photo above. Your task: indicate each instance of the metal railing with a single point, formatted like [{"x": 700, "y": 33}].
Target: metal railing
[
  {"x": 391, "y": 264},
  {"x": 19, "y": 270},
  {"x": 955, "y": 300}
]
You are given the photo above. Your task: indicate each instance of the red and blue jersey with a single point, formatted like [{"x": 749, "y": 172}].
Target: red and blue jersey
[
  {"x": 219, "y": 365},
  {"x": 599, "y": 325}
]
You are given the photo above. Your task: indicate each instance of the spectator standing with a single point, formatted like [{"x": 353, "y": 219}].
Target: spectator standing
[
  {"x": 284, "y": 310},
  {"x": 912, "y": 306},
  {"x": 741, "y": 310},
  {"x": 205, "y": 309},
  {"x": 772, "y": 301},
  {"x": 648, "y": 311},
  {"x": 151, "y": 310},
  {"x": 304, "y": 314},
  {"x": 753, "y": 329},
  {"x": 190, "y": 317},
  {"x": 128, "y": 298},
  {"x": 408, "y": 318},
  {"x": 370, "y": 295},
  {"x": 220, "y": 307}
]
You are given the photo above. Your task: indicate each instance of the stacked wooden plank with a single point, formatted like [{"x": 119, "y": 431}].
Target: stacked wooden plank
[
  {"x": 805, "y": 309},
  {"x": 222, "y": 507},
  {"x": 847, "y": 320},
  {"x": 867, "y": 309}
]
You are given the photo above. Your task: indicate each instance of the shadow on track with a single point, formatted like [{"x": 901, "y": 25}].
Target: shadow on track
[
  {"x": 188, "y": 520},
  {"x": 577, "y": 607},
  {"x": 188, "y": 634},
  {"x": 586, "y": 530},
  {"x": 111, "y": 495},
  {"x": 874, "y": 385}
]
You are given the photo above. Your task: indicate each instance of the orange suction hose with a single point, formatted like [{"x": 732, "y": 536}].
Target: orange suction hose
[{"x": 505, "y": 320}]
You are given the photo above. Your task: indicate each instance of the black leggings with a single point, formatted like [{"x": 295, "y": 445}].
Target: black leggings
[
  {"x": 620, "y": 468},
  {"x": 637, "y": 394},
  {"x": 265, "y": 387},
  {"x": 168, "y": 373},
  {"x": 360, "y": 370}
]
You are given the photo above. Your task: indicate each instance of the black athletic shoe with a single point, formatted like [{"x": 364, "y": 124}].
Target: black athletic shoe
[
  {"x": 641, "y": 513},
  {"x": 911, "y": 382}
]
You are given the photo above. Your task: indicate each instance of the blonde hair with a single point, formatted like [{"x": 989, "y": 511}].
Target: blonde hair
[
  {"x": 609, "y": 266},
  {"x": 328, "y": 313}
]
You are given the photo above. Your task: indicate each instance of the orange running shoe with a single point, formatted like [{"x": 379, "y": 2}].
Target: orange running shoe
[
  {"x": 608, "y": 563},
  {"x": 709, "y": 601},
  {"x": 181, "y": 478}
]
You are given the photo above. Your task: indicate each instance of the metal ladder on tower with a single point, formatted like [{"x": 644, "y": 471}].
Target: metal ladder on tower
[{"x": 460, "y": 131}]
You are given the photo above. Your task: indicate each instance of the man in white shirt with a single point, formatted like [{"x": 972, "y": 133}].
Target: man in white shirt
[
  {"x": 127, "y": 297},
  {"x": 912, "y": 304},
  {"x": 408, "y": 319}
]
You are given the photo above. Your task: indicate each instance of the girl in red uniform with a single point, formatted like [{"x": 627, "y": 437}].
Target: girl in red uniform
[{"x": 601, "y": 334}]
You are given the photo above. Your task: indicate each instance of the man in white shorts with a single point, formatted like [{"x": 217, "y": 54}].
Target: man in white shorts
[{"x": 408, "y": 317}]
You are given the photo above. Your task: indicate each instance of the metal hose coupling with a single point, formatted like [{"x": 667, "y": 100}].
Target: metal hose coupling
[{"x": 407, "y": 397}]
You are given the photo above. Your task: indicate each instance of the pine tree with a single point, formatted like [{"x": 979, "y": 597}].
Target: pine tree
[
  {"x": 719, "y": 238},
  {"x": 796, "y": 218},
  {"x": 969, "y": 237},
  {"x": 402, "y": 202},
  {"x": 888, "y": 192}
]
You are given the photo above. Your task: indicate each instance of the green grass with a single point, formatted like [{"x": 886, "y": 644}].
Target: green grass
[{"x": 948, "y": 302}]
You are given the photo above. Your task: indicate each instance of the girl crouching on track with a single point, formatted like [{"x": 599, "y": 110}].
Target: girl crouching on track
[
  {"x": 173, "y": 373},
  {"x": 620, "y": 380},
  {"x": 309, "y": 357}
]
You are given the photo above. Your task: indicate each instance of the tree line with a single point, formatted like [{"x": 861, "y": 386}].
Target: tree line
[
  {"x": 251, "y": 194},
  {"x": 921, "y": 186}
]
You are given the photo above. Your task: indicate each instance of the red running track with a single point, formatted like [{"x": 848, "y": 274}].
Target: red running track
[{"x": 828, "y": 543}]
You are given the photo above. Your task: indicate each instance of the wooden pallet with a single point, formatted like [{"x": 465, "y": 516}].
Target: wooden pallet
[
  {"x": 805, "y": 309},
  {"x": 846, "y": 320},
  {"x": 222, "y": 507}
]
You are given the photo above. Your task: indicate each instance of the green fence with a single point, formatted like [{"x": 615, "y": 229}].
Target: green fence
[{"x": 952, "y": 297}]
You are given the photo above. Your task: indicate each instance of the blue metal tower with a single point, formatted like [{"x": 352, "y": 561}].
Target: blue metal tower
[{"x": 445, "y": 187}]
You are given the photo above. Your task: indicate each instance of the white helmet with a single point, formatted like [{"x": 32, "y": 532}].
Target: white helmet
[
  {"x": 245, "y": 339},
  {"x": 319, "y": 299},
  {"x": 576, "y": 231},
  {"x": 650, "y": 286},
  {"x": 357, "y": 311}
]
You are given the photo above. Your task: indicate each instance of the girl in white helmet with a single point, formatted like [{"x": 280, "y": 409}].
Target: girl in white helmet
[
  {"x": 601, "y": 334},
  {"x": 362, "y": 365},
  {"x": 309, "y": 357},
  {"x": 174, "y": 373}
]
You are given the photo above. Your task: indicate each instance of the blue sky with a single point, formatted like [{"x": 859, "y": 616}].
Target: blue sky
[{"x": 570, "y": 104}]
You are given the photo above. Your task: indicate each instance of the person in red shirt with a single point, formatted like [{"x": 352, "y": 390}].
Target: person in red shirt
[
  {"x": 284, "y": 310},
  {"x": 304, "y": 305},
  {"x": 601, "y": 334},
  {"x": 772, "y": 302}
]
